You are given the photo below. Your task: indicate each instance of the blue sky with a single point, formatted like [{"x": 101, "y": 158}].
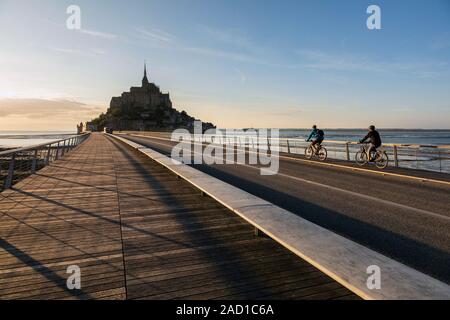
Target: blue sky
[{"x": 241, "y": 63}]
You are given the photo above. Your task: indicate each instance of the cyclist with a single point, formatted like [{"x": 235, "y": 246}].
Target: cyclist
[
  {"x": 318, "y": 135},
  {"x": 375, "y": 141}
]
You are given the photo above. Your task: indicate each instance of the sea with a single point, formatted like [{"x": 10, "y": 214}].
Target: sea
[{"x": 18, "y": 139}]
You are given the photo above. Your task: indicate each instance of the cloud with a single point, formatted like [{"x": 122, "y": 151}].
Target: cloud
[
  {"x": 322, "y": 61},
  {"x": 88, "y": 53},
  {"x": 99, "y": 34},
  {"x": 229, "y": 36},
  {"x": 166, "y": 40},
  {"x": 154, "y": 35},
  {"x": 43, "y": 108}
]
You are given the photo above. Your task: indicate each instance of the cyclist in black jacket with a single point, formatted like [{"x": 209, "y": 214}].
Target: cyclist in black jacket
[{"x": 375, "y": 140}]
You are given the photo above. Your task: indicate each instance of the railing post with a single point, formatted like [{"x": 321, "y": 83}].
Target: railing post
[
  {"x": 57, "y": 152},
  {"x": 268, "y": 144},
  {"x": 347, "y": 150},
  {"x": 235, "y": 150},
  {"x": 395, "y": 156},
  {"x": 10, "y": 177},
  {"x": 47, "y": 158},
  {"x": 33, "y": 163},
  {"x": 64, "y": 148},
  {"x": 289, "y": 146}
]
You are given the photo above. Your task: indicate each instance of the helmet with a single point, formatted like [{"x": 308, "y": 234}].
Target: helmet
[{"x": 372, "y": 127}]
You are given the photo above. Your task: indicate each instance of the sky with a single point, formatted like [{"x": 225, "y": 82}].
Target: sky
[{"x": 236, "y": 63}]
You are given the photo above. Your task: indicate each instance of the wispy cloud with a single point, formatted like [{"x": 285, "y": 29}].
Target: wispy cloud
[
  {"x": 94, "y": 52},
  {"x": 153, "y": 34},
  {"x": 323, "y": 61},
  {"x": 316, "y": 59},
  {"x": 236, "y": 52},
  {"x": 99, "y": 34},
  {"x": 232, "y": 37}
]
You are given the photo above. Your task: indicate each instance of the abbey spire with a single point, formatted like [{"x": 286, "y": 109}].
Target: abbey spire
[{"x": 145, "y": 79}]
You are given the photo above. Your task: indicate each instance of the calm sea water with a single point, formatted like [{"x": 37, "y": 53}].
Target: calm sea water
[{"x": 16, "y": 139}]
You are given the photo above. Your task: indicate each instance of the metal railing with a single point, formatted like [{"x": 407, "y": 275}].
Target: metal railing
[
  {"x": 17, "y": 164},
  {"x": 413, "y": 156}
]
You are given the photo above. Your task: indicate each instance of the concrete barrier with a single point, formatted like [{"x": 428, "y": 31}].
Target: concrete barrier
[{"x": 345, "y": 261}]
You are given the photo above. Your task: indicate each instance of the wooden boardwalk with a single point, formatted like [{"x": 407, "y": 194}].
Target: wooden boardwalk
[{"x": 137, "y": 232}]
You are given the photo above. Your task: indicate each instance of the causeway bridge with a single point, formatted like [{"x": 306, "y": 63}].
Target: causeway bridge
[{"x": 140, "y": 227}]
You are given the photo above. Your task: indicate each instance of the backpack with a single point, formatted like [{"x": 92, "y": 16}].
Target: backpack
[{"x": 320, "y": 133}]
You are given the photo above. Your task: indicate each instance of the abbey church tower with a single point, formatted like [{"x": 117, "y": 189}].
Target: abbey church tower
[{"x": 148, "y": 96}]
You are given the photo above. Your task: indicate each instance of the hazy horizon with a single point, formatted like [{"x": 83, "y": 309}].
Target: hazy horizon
[{"x": 236, "y": 64}]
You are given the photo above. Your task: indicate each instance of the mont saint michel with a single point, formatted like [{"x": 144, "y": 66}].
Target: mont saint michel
[{"x": 144, "y": 108}]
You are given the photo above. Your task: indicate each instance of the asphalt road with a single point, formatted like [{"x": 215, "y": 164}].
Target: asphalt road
[{"x": 405, "y": 219}]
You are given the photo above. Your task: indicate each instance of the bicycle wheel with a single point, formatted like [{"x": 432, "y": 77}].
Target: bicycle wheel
[
  {"x": 381, "y": 160},
  {"x": 361, "y": 158},
  {"x": 322, "y": 154},
  {"x": 309, "y": 152}
]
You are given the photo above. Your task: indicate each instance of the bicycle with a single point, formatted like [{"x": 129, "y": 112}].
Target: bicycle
[
  {"x": 312, "y": 151},
  {"x": 380, "y": 158}
]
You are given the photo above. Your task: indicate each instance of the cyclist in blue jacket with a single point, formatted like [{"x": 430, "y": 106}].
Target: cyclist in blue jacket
[{"x": 318, "y": 136}]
